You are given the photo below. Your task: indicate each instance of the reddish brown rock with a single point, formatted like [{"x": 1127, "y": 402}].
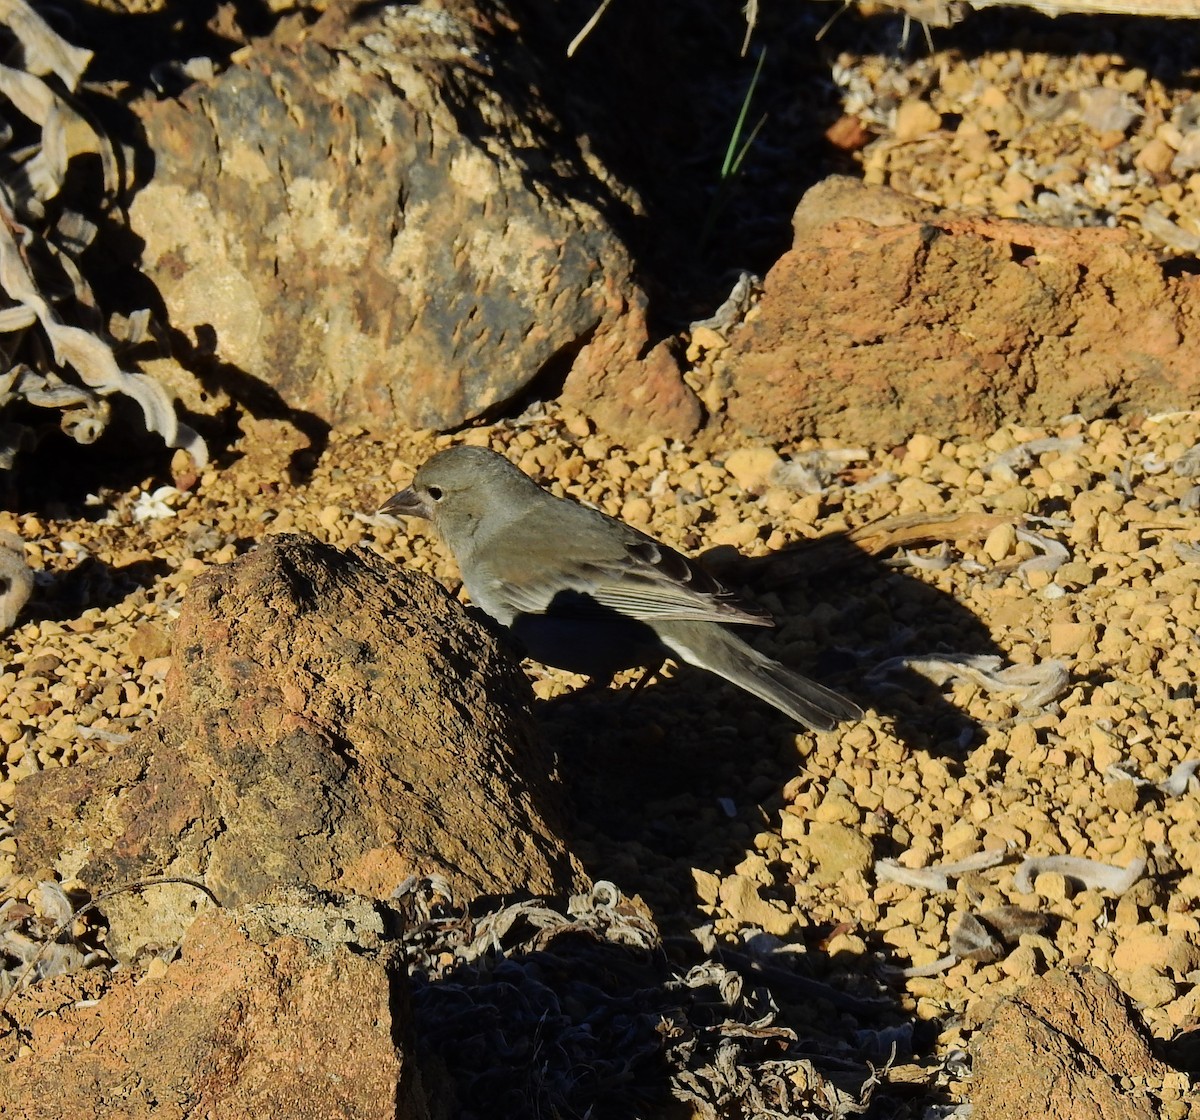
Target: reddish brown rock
[
  {"x": 1069, "y": 1047},
  {"x": 886, "y": 318},
  {"x": 624, "y": 392},
  {"x": 291, "y": 1009},
  {"x": 329, "y": 719},
  {"x": 376, "y": 218}
]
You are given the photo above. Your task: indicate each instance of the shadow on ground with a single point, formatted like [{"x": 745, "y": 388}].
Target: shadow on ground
[
  {"x": 92, "y": 583},
  {"x": 686, "y": 773}
]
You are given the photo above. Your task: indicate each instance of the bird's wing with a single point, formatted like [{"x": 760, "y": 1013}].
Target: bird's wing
[
  {"x": 605, "y": 565},
  {"x": 654, "y": 582}
]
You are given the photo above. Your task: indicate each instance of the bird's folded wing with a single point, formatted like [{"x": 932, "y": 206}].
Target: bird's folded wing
[{"x": 644, "y": 580}]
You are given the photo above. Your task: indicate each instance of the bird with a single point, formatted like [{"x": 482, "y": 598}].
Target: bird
[{"x": 585, "y": 592}]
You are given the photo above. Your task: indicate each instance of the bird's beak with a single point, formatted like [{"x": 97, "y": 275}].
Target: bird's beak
[{"x": 408, "y": 503}]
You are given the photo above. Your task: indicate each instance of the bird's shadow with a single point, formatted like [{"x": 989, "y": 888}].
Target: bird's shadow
[{"x": 687, "y": 772}]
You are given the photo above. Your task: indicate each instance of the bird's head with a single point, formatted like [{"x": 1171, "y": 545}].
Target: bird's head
[{"x": 460, "y": 488}]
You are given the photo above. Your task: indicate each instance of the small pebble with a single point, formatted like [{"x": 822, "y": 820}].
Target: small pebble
[{"x": 1000, "y": 541}]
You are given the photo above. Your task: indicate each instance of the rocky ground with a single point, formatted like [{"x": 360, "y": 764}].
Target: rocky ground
[
  {"x": 1027, "y": 660},
  {"x": 714, "y": 808}
]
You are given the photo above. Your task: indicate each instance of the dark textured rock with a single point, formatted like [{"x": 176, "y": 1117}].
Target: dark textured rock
[
  {"x": 329, "y": 720},
  {"x": 887, "y": 318},
  {"x": 381, "y": 219},
  {"x": 290, "y": 1009},
  {"x": 1068, "y": 1047}
]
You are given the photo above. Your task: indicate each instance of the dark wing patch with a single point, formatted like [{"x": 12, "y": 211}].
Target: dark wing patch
[{"x": 659, "y": 583}]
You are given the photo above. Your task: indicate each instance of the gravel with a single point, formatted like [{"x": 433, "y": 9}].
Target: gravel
[{"x": 1093, "y": 773}]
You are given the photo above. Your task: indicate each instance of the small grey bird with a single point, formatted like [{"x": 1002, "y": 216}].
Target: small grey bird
[{"x": 585, "y": 592}]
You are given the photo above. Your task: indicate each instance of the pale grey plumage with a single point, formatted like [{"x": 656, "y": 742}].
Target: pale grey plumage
[{"x": 588, "y": 593}]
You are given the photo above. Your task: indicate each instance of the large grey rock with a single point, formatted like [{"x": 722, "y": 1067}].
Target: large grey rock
[{"x": 381, "y": 219}]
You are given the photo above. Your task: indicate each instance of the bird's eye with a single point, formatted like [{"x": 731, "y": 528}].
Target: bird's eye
[{"x": 435, "y": 492}]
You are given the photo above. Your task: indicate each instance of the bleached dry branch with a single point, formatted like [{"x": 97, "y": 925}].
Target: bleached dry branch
[{"x": 80, "y": 368}]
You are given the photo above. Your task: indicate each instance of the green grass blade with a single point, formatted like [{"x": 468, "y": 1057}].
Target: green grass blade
[{"x": 735, "y": 151}]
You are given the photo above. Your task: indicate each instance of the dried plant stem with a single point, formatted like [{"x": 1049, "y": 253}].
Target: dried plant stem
[{"x": 586, "y": 30}]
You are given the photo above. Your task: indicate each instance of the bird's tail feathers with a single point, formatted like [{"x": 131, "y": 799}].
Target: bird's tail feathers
[
  {"x": 807, "y": 702},
  {"x": 813, "y": 704}
]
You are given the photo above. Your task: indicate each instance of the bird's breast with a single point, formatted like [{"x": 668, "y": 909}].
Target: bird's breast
[{"x": 488, "y": 595}]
